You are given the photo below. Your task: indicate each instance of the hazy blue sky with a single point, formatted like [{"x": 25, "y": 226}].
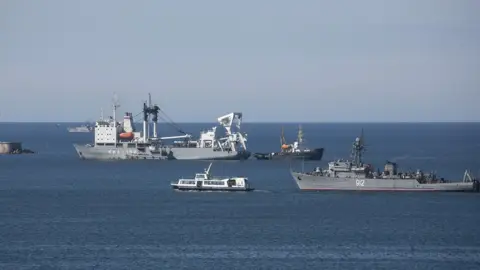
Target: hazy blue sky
[{"x": 274, "y": 60}]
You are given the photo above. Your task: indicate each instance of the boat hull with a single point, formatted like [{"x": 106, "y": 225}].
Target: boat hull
[
  {"x": 315, "y": 154},
  {"x": 121, "y": 152},
  {"x": 307, "y": 182},
  {"x": 207, "y": 154},
  {"x": 203, "y": 188},
  {"x": 79, "y": 130}
]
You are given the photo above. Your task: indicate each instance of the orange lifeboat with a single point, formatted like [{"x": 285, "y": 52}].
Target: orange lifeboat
[
  {"x": 126, "y": 135},
  {"x": 285, "y": 146}
]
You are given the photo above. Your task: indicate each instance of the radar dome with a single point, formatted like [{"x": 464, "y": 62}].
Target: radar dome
[{"x": 357, "y": 139}]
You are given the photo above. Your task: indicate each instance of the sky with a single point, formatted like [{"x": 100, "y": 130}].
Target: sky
[{"x": 273, "y": 60}]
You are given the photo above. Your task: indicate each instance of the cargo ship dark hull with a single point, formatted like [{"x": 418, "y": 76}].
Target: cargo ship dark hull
[{"x": 315, "y": 154}]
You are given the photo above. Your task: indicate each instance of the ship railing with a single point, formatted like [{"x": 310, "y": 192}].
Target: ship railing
[{"x": 223, "y": 177}]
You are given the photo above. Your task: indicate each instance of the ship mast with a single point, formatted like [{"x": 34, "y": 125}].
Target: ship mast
[
  {"x": 282, "y": 138},
  {"x": 145, "y": 122},
  {"x": 154, "y": 111},
  {"x": 300, "y": 134},
  {"x": 115, "y": 106},
  {"x": 283, "y": 142},
  {"x": 147, "y": 110},
  {"x": 357, "y": 150}
]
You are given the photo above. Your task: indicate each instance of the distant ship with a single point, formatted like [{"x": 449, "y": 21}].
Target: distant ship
[
  {"x": 356, "y": 175},
  {"x": 121, "y": 141},
  {"x": 293, "y": 151},
  {"x": 82, "y": 128}
]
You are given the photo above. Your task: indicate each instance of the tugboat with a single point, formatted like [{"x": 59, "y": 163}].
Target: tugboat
[
  {"x": 206, "y": 182},
  {"x": 293, "y": 151}
]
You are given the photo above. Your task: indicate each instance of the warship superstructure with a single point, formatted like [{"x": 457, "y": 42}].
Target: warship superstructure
[
  {"x": 356, "y": 175},
  {"x": 297, "y": 150},
  {"x": 114, "y": 140}
]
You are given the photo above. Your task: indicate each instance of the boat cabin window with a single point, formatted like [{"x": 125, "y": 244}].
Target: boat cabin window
[
  {"x": 200, "y": 176},
  {"x": 213, "y": 182},
  {"x": 188, "y": 182}
]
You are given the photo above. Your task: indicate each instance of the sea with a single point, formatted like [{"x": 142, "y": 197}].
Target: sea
[{"x": 60, "y": 212}]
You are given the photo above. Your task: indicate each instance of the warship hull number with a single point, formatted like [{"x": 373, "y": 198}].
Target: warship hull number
[{"x": 360, "y": 183}]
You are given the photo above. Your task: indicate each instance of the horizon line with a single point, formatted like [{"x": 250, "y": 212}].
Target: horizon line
[{"x": 264, "y": 122}]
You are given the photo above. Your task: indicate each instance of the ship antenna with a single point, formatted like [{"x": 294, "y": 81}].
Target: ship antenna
[
  {"x": 115, "y": 106},
  {"x": 300, "y": 134},
  {"x": 153, "y": 109},
  {"x": 149, "y": 112},
  {"x": 145, "y": 121},
  {"x": 207, "y": 171},
  {"x": 358, "y": 149}
]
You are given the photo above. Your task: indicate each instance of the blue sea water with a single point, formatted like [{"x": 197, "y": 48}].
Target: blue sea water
[{"x": 60, "y": 212}]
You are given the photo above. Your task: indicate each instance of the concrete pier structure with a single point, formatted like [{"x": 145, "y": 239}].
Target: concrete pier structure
[{"x": 12, "y": 148}]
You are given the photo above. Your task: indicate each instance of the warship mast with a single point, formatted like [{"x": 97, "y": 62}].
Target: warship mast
[{"x": 357, "y": 150}]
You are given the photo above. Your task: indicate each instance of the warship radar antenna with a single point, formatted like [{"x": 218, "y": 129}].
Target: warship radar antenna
[{"x": 358, "y": 149}]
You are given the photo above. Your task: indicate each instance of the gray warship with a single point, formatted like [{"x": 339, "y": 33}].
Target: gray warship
[
  {"x": 83, "y": 129},
  {"x": 354, "y": 175},
  {"x": 114, "y": 140}
]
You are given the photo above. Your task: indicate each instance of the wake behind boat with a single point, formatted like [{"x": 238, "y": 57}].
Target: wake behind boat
[
  {"x": 356, "y": 175},
  {"x": 206, "y": 182}
]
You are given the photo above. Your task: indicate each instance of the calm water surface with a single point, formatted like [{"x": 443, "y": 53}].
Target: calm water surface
[{"x": 59, "y": 212}]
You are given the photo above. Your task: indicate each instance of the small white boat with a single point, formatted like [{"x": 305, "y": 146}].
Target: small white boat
[{"x": 206, "y": 182}]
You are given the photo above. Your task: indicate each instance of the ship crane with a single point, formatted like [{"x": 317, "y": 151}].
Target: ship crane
[{"x": 154, "y": 110}]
